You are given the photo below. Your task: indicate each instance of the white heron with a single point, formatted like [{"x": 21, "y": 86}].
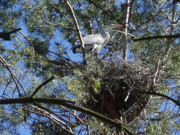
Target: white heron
[{"x": 94, "y": 43}]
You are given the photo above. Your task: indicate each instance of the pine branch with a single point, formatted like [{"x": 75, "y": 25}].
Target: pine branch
[
  {"x": 158, "y": 37},
  {"x": 32, "y": 100},
  {"x": 67, "y": 104}
]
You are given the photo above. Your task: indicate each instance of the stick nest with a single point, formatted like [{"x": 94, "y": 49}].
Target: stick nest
[{"x": 119, "y": 95}]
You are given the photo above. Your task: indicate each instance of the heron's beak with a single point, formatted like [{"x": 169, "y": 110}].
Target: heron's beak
[
  {"x": 116, "y": 25},
  {"x": 109, "y": 27}
]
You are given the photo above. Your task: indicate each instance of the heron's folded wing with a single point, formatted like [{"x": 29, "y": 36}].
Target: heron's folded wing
[{"x": 93, "y": 39}]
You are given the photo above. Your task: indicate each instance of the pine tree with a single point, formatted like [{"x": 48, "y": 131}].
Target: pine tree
[{"x": 129, "y": 87}]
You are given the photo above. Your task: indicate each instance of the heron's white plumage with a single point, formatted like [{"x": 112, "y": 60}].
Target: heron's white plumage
[{"x": 94, "y": 43}]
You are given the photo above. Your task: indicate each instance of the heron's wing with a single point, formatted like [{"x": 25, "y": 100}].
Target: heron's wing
[
  {"x": 77, "y": 48},
  {"x": 89, "y": 42},
  {"x": 93, "y": 39}
]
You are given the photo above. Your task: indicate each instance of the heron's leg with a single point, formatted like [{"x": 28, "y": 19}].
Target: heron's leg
[
  {"x": 95, "y": 46},
  {"x": 95, "y": 50}
]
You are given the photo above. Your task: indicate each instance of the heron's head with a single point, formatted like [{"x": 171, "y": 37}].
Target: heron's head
[{"x": 109, "y": 27}]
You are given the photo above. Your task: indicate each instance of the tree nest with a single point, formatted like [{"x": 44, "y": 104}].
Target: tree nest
[{"x": 120, "y": 94}]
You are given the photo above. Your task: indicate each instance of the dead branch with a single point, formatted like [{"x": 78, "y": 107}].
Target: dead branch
[
  {"x": 74, "y": 114},
  {"x": 60, "y": 63},
  {"x": 13, "y": 76},
  {"x": 163, "y": 59},
  {"x": 51, "y": 117},
  {"x": 128, "y": 12},
  {"x": 77, "y": 29},
  {"x": 39, "y": 106}
]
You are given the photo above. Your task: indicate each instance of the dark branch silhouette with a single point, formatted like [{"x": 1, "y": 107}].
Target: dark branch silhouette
[
  {"x": 6, "y": 35},
  {"x": 68, "y": 104},
  {"x": 164, "y": 96},
  {"x": 40, "y": 86},
  {"x": 158, "y": 36}
]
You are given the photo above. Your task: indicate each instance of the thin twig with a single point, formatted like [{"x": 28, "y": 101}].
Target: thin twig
[
  {"x": 42, "y": 108},
  {"x": 40, "y": 86},
  {"x": 124, "y": 33},
  {"x": 51, "y": 117},
  {"x": 13, "y": 76},
  {"x": 61, "y": 63},
  {"x": 74, "y": 115},
  {"x": 162, "y": 95}
]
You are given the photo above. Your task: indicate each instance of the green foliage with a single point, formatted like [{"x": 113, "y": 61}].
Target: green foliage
[
  {"x": 102, "y": 128},
  {"x": 10, "y": 120},
  {"x": 160, "y": 128},
  {"x": 47, "y": 128},
  {"x": 78, "y": 84},
  {"x": 39, "y": 46}
]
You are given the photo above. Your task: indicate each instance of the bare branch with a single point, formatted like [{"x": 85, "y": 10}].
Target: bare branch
[
  {"x": 77, "y": 28},
  {"x": 42, "y": 108},
  {"x": 128, "y": 12},
  {"x": 61, "y": 63},
  {"x": 73, "y": 115},
  {"x": 13, "y": 76},
  {"x": 163, "y": 59},
  {"x": 162, "y": 95},
  {"x": 51, "y": 117},
  {"x": 40, "y": 86}
]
